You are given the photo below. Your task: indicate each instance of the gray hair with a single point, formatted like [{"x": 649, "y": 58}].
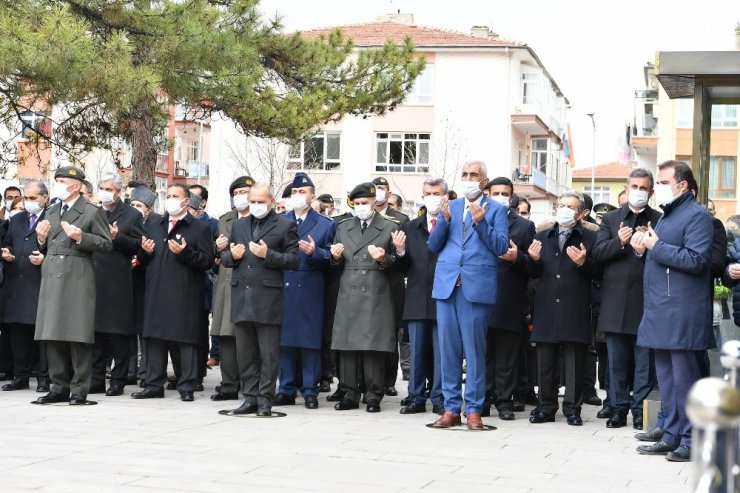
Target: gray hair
[
  {"x": 113, "y": 177},
  {"x": 574, "y": 194},
  {"x": 642, "y": 173},
  {"x": 435, "y": 182},
  {"x": 43, "y": 189},
  {"x": 483, "y": 168}
]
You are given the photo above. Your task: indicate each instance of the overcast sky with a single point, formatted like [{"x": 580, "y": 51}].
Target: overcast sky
[{"x": 594, "y": 49}]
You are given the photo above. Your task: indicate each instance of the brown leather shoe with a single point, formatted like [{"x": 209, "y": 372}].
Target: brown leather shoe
[
  {"x": 448, "y": 420},
  {"x": 474, "y": 422}
]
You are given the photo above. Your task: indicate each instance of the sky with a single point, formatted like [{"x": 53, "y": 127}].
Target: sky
[{"x": 594, "y": 49}]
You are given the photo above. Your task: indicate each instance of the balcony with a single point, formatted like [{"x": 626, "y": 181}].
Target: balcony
[
  {"x": 197, "y": 169},
  {"x": 161, "y": 166}
]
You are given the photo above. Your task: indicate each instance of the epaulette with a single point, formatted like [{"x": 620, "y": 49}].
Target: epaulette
[
  {"x": 344, "y": 220},
  {"x": 95, "y": 204},
  {"x": 392, "y": 219}
]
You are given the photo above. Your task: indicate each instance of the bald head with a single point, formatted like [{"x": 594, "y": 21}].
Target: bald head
[{"x": 260, "y": 194}]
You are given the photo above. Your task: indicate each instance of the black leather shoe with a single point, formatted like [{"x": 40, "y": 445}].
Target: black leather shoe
[
  {"x": 149, "y": 393},
  {"x": 346, "y": 405},
  {"x": 199, "y": 388},
  {"x": 575, "y": 420},
  {"x": 517, "y": 406},
  {"x": 114, "y": 390},
  {"x": 605, "y": 412},
  {"x": 617, "y": 420},
  {"x": 390, "y": 391},
  {"x": 4, "y": 376},
  {"x": 438, "y": 409},
  {"x": 246, "y": 408},
  {"x": 406, "y": 400},
  {"x": 225, "y": 396},
  {"x": 171, "y": 386},
  {"x": 51, "y": 398},
  {"x": 637, "y": 421},
  {"x": 653, "y": 435},
  {"x": 506, "y": 415},
  {"x": 417, "y": 408},
  {"x": 97, "y": 389},
  {"x": 336, "y": 396},
  {"x": 539, "y": 417},
  {"x": 658, "y": 448},
  {"x": 311, "y": 402},
  {"x": 681, "y": 454},
  {"x": 373, "y": 406},
  {"x": 16, "y": 384},
  {"x": 592, "y": 399},
  {"x": 283, "y": 400},
  {"x": 42, "y": 385},
  {"x": 264, "y": 411},
  {"x": 187, "y": 396},
  {"x": 77, "y": 400},
  {"x": 324, "y": 386}
]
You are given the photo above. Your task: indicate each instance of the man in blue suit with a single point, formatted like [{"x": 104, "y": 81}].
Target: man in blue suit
[
  {"x": 469, "y": 237},
  {"x": 303, "y": 316}
]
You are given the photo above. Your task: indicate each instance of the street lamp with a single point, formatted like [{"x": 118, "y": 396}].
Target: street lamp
[{"x": 593, "y": 155}]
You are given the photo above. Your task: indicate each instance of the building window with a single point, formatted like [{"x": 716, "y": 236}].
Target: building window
[
  {"x": 319, "y": 152},
  {"x": 402, "y": 153},
  {"x": 721, "y": 177},
  {"x": 35, "y": 123},
  {"x": 601, "y": 195},
  {"x": 530, "y": 84},
  {"x": 423, "y": 90},
  {"x": 724, "y": 115},
  {"x": 161, "y": 186},
  {"x": 539, "y": 154}
]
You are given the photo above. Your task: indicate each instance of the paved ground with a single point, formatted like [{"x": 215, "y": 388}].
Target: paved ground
[{"x": 167, "y": 445}]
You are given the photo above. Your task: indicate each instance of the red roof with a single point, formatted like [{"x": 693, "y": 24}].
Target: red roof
[
  {"x": 376, "y": 34},
  {"x": 608, "y": 170}
]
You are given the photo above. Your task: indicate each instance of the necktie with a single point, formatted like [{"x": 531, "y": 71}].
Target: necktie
[
  {"x": 299, "y": 221},
  {"x": 434, "y": 225},
  {"x": 364, "y": 226},
  {"x": 256, "y": 230},
  {"x": 65, "y": 208},
  {"x": 467, "y": 222},
  {"x": 32, "y": 222},
  {"x": 173, "y": 223},
  {"x": 562, "y": 238}
]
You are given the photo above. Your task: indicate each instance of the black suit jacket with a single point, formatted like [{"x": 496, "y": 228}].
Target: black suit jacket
[
  {"x": 418, "y": 263},
  {"x": 622, "y": 298},
  {"x": 510, "y": 311},
  {"x": 257, "y": 284}
]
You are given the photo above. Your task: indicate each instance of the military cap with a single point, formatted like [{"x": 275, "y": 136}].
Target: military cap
[
  {"x": 363, "y": 190},
  {"x": 381, "y": 181},
  {"x": 603, "y": 208},
  {"x": 70, "y": 172},
  {"x": 143, "y": 195},
  {"x": 325, "y": 198},
  {"x": 194, "y": 201},
  {"x": 241, "y": 182},
  {"x": 287, "y": 192},
  {"x": 301, "y": 180}
]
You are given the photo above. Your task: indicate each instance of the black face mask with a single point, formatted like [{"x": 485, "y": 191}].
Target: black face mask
[{"x": 127, "y": 201}]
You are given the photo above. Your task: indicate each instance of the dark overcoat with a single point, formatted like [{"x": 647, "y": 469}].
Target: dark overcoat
[
  {"x": 221, "y": 322},
  {"x": 418, "y": 263}
]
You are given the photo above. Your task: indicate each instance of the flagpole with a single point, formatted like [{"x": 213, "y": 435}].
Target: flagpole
[{"x": 593, "y": 155}]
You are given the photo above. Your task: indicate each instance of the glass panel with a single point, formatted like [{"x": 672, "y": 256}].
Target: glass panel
[
  {"x": 382, "y": 136},
  {"x": 728, "y": 174},
  {"x": 333, "y": 165},
  {"x": 332, "y": 146},
  {"x": 423, "y": 153},
  {"x": 295, "y": 151},
  {"x": 381, "y": 152},
  {"x": 396, "y": 152},
  {"x": 539, "y": 144},
  {"x": 314, "y": 153},
  {"x": 424, "y": 136},
  {"x": 381, "y": 168},
  {"x": 409, "y": 136},
  {"x": 713, "y": 173},
  {"x": 409, "y": 152},
  {"x": 409, "y": 169}
]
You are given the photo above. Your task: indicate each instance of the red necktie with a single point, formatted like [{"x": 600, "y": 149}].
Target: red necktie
[
  {"x": 434, "y": 224},
  {"x": 173, "y": 222}
]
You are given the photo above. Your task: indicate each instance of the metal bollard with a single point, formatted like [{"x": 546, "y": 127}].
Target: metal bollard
[{"x": 713, "y": 406}]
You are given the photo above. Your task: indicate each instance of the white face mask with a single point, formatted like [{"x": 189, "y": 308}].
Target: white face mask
[
  {"x": 637, "y": 198},
  {"x": 380, "y": 195},
  {"x": 501, "y": 199},
  {"x": 241, "y": 202},
  {"x": 33, "y": 208},
  {"x": 565, "y": 216},
  {"x": 106, "y": 198},
  {"x": 174, "y": 206},
  {"x": 431, "y": 202},
  {"x": 61, "y": 191},
  {"x": 297, "y": 202},
  {"x": 470, "y": 189},
  {"x": 664, "y": 194},
  {"x": 258, "y": 210},
  {"x": 363, "y": 211}
]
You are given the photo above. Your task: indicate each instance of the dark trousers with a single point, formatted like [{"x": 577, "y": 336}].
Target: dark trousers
[
  {"x": 423, "y": 340},
  {"x": 503, "y": 349},
  {"x": 156, "y": 364},
  {"x": 6, "y": 353},
  {"x": 119, "y": 346},
  {"x": 258, "y": 356},
  {"x": 142, "y": 357},
  {"x": 215, "y": 351},
  {"x": 360, "y": 367},
  {"x": 391, "y": 365},
  {"x": 677, "y": 371},
  {"x": 307, "y": 371},
  {"x": 625, "y": 359},
  {"x": 574, "y": 355},
  {"x": 228, "y": 365},
  {"x": 404, "y": 348},
  {"x": 70, "y": 367},
  {"x": 22, "y": 348},
  {"x": 526, "y": 377}
]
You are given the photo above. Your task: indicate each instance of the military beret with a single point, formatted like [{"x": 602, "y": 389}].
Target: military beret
[
  {"x": 363, "y": 190},
  {"x": 194, "y": 201},
  {"x": 381, "y": 181},
  {"x": 603, "y": 208},
  {"x": 301, "y": 180},
  {"x": 143, "y": 195},
  {"x": 241, "y": 182},
  {"x": 70, "y": 172},
  {"x": 287, "y": 192},
  {"x": 325, "y": 198}
]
